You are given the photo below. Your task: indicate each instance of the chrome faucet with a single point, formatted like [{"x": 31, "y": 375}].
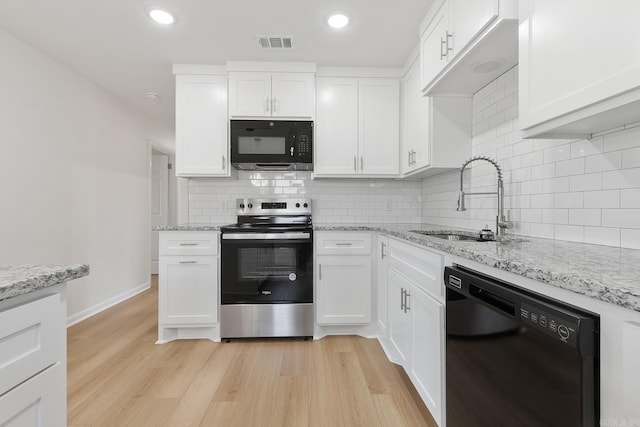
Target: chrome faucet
[{"x": 501, "y": 222}]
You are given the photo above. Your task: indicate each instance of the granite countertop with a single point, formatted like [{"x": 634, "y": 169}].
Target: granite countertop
[
  {"x": 189, "y": 227},
  {"x": 606, "y": 273},
  {"x": 18, "y": 280}
]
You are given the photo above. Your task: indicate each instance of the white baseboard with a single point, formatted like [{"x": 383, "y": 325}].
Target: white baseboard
[{"x": 91, "y": 311}]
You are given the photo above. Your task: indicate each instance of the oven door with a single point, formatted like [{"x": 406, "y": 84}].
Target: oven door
[{"x": 266, "y": 268}]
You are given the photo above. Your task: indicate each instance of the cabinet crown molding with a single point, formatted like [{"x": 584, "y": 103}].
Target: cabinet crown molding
[
  {"x": 199, "y": 69},
  {"x": 282, "y": 67}
]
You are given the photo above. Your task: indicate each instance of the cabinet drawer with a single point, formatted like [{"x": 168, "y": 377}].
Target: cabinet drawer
[
  {"x": 188, "y": 243},
  {"x": 343, "y": 243},
  {"x": 39, "y": 402},
  {"x": 422, "y": 267},
  {"x": 32, "y": 338}
]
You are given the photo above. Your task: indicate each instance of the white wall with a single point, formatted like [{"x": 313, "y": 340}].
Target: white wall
[
  {"x": 346, "y": 201},
  {"x": 576, "y": 190},
  {"x": 74, "y": 173}
]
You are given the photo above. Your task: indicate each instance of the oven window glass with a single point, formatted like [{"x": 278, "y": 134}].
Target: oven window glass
[
  {"x": 266, "y": 272},
  {"x": 261, "y": 263},
  {"x": 262, "y": 145}
]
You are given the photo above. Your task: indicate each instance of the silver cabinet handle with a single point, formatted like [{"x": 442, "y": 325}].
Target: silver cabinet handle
[
  {"x": 448, "y": 37},
  {"x": 319, "y": 271},
  {"x": 409, "y": 158},
  {"x": 344, "y": 244},
  {"x": 355, "y": 167},
  {"x": 407, "y": 295},
  {"x": 224, "y": 164},
  {"x": 413, "y": 157},
  {"x": 188, "y": 262},
  {"x": 443, "y": 43},
  {"x": 266, "y": 104},
  {"x": 382, "y": 246},
  {"x": 188, "y": 244},
  {"x": 361, "y": 162},
  {"x": 402, "y": 299},
  {"x": 273, "y": 104}
]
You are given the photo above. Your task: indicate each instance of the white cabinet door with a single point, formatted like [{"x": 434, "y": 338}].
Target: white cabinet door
[
  {"x": 379, "y": 126},
  {"x": 564, "y": 67},
  {"x": 202, "y": 147},
  {"x": 427, "y": 355},
  {"x": 292, "y": 95},
  {"x": 343, "y": 290},
  {"x": 415, "y": 141},
  {"x": 188, "y": 290},
  {"x": 434, "y": 53},
  {"x": 38, "y": 402},
  {"x": 470, "y": 17},
  {"x": 336, "y": 141},
  {"x": 382, "y": 291},
  {"x": 249, "y": 94},
  {"x": 399, "y": 319}
]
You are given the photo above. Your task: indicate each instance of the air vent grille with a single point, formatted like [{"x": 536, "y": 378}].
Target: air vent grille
[{"x": 275, "y": 42}]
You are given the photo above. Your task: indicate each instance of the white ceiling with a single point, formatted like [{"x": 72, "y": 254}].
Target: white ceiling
[{"x": 116, "y": 45}]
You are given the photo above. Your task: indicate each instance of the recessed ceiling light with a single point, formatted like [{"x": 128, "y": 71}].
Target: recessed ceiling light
[
  {"x": 161, "y": 16},
  {"x": 338, "y": 20}
]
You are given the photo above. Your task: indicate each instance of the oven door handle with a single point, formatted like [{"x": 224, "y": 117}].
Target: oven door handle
[{"x": 266, "y": 236}]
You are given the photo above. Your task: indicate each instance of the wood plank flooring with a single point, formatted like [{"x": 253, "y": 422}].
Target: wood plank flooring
[{"x": 118, "y": 376}]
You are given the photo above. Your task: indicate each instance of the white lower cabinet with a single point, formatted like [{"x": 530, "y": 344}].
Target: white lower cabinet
[
  {"x": 33, "y": 376},
  {"x": 416, "y": 319},
  {"x": 343, "y": 278},
  {"x": 382, "y": 281},
  {"x": 188, "y": 285}
]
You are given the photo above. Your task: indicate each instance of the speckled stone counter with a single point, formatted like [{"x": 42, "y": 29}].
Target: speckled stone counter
[
  {"x": 18, "y": 280},
  {"x": 606, "y": 273},
  {"x": 188, "y": 227}
]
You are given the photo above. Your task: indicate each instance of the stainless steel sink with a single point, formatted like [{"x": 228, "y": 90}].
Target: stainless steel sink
[{"x": 450, "y": 236}]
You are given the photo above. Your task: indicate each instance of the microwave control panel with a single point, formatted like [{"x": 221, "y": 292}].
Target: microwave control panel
[{"x": 304, "y": 144}]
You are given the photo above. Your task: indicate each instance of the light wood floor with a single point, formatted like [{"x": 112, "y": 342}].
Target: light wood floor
[{"x": 117, "y": 376}]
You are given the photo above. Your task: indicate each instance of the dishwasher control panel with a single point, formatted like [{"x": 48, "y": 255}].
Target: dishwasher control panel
[{"x": 562, "y": 328}]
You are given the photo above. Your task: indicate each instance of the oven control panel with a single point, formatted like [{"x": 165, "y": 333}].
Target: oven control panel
[
  {"x": 561, "y": 327},
  {"x": 273, "y": 207}
]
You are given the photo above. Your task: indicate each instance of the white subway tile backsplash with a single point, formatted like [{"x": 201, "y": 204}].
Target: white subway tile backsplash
[
  {"x": 602, "y": 236},
  {"x": 587, "y": 182},
  {"x": 578, "y": 190},
  {"x": 603, "y": 162},
  {"x": 631, "y": 158},
  {"x": 570, "y": 167},
  {"x": 622, "y": 218},
  {"x": 630, "y": 238},
  {"x": 572, "y": 233},
  {"x": 630, "y": 198},
  {"x": 586, "y": 147},
  {"x": 602, "y": 199},
  {"x": 585, "y": 217},
  {"x": 626, "y": 178}
]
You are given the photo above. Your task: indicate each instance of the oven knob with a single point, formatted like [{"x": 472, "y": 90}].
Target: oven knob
[
  {"x": 297, "y": 205},
  {"x": 241, "y": 205},
  {"x": 306, "y": 205},
  {"x": 250, "y": 206}
]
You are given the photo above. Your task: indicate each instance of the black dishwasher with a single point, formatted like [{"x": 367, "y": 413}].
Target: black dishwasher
[{"x": 517, "y": 358}]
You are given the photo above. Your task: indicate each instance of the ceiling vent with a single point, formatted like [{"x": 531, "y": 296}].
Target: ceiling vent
[{"x": 275, "y": 42}]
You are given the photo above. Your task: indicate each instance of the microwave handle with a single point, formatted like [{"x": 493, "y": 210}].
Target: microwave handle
[{"x": 291, "y": 150}]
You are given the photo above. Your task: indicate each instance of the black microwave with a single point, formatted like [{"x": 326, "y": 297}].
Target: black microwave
[{"x": 272, "y": 145}]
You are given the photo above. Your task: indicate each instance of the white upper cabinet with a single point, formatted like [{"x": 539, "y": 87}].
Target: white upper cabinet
[
  {"x": 262, "y": 94},
  {"x": 579, "y": 69},
  {"x": 379, "y": 126},
  {"x": 336, "y": 139},
  {"x": 357, "y": 127},
  {"x": 465, "y": 44},
  {"x": 202, "y": 145},
  {"x": 436, "y": 132}
]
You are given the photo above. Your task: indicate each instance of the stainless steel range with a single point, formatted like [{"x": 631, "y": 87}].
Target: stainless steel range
[{"x": 267, "y": 270}]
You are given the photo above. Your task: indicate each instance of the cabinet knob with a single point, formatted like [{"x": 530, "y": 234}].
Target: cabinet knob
[{"x": 250, "y": 206}]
